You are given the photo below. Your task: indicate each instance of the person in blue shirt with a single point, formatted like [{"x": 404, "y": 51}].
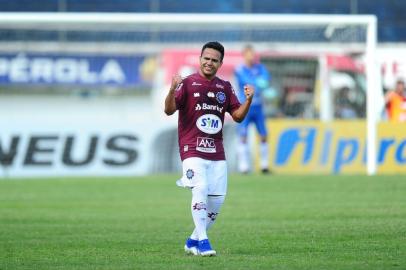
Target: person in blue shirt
[{"x": 254, "y": 73}]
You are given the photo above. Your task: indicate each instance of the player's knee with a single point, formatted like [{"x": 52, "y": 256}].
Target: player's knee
[{"x": 200, "y": 190}]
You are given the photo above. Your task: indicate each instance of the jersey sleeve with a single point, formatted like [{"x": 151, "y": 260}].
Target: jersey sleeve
[
  {"x": 181, "y": 95},
  {"x": 234, "y": 103}
]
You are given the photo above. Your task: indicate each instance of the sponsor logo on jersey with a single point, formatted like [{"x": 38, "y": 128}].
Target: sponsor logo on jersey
[
  {"x": 221, "y": 97},
  {"x": 206, "y": 106},
  {"x": 196, "y": 94},
  {"x": 205, "y": 145},
  {"x": 210, "y": 94},
  {"x": 196, "y": 84},
  {"x": 209, "y": 123},
  {"x": 219, "y": 86}
]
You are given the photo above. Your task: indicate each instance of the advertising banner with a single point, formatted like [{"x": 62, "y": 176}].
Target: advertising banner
[
  {"x": 339, "y": 147},
  {"x": 34, "y": 69},
  {"x": 74, "y": 137}
]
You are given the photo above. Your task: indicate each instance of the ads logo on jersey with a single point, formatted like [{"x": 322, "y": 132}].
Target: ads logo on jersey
[
  {"x": 206, "y": 106},
  {"x": 209, "y": 123},
  {"x": 205, "y": 145}
]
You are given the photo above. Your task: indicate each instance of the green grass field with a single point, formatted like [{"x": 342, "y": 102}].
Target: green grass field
[{"x": 277, "y": 222}]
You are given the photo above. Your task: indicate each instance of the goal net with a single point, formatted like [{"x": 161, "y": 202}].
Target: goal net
[{"x": 119, "y": 65}]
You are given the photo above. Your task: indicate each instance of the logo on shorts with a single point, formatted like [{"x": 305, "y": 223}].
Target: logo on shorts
[
  {"x": 189, "y": 174},
  {"x": 221, "y": 97},
  {"x": 209, "y": 123},
  {"x": 205, "y": 145}
]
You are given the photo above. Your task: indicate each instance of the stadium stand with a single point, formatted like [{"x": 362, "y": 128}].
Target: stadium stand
[{"x": 391, "y": 28}]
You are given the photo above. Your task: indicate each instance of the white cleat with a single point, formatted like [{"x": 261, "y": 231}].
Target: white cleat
[
  {"x": 208, "y": 253},
  {"x": 191, "y": 246},
  {"x": 191, "y": 250}
]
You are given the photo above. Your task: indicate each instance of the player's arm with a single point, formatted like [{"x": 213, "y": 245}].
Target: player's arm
[
  {"x": 170, "y": 103},
  {"x": 239, "y": 114}
]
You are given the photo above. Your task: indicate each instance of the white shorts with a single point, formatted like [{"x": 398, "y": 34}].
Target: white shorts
[{"x": 198, "y": 171}]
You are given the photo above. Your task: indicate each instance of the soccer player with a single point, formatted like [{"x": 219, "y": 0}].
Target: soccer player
[
  {"x": 396, "y": 103},
  {"x": 202, "y": 100},
  {"x": 256, "y": 74}
]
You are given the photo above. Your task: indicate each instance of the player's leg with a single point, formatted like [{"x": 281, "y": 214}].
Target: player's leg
[
  {"x": 217, "y": 181},
  {"x": 217, "y": 189},
  {"x": 260, "y": 123},
  {"x": 214, "y": 203},
  {"x": 194, "y": 171},
  {"x": 243, "y": 152}
]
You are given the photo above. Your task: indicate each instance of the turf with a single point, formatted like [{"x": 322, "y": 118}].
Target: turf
[{"x": 274, "y": 222}]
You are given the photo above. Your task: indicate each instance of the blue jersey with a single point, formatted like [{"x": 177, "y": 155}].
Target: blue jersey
[{"x": 257, "y": 76}]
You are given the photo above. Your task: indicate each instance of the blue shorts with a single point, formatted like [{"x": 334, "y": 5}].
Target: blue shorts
[{"x": 255, "y": 115}]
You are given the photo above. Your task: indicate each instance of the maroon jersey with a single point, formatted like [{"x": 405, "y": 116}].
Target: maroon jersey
[{"x": 202, "y": 105}]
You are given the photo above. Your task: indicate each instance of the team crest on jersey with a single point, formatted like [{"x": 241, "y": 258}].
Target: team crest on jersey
[
  {"x": 189, "y": 174},
  {"x": 221, "y": 97}
]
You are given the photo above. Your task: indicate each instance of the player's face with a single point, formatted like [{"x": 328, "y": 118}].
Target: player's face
[
  {"x": 210, "y": 62},
  {"x": 249, "y": 56},
  {"x": 400, "y": 87}
]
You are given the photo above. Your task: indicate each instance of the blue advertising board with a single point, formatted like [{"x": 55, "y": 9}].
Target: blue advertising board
[{"x": 30, "y": 68}]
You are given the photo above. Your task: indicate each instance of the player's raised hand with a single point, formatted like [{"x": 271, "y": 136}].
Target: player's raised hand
[
  {"x": 176, "y": 80},
  {"x": 248, "y": 91}
]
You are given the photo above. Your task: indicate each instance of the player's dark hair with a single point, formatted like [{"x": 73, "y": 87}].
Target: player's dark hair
[{"x": 216, "y": 46}]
